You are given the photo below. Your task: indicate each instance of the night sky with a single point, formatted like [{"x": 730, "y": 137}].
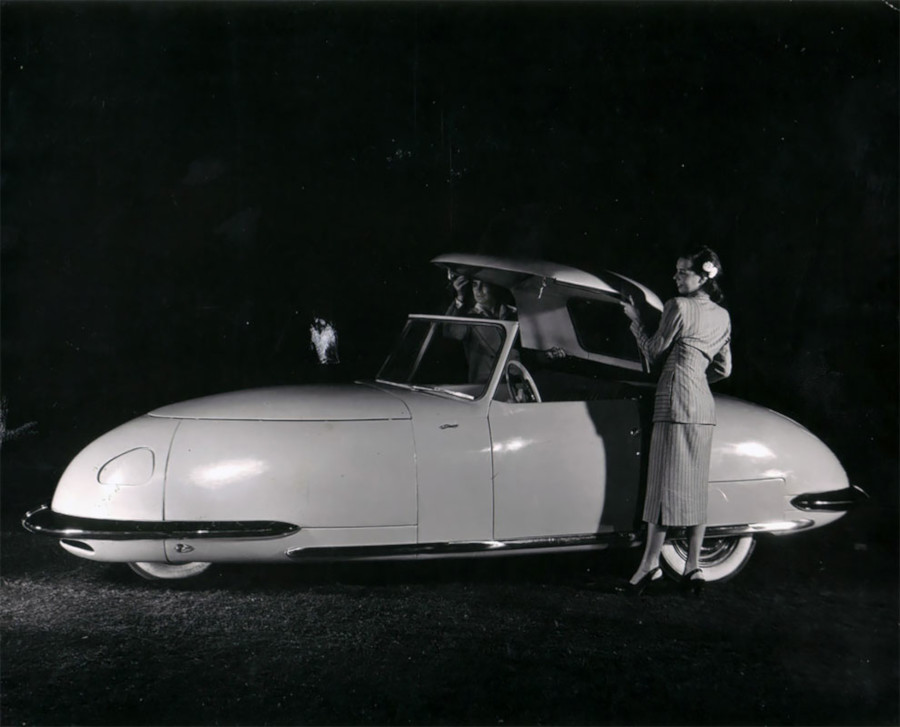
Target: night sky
[{"x": 186, "y": 186}]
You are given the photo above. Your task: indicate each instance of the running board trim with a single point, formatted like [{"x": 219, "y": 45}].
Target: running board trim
[{"x": 474, "y": 547}]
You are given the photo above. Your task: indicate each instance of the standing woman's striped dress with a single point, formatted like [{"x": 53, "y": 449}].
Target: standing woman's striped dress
[{"x": 696, "y": 334}]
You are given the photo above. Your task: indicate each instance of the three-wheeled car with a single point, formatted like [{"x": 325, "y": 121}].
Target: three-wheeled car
[{"x": 531, "y": 453}]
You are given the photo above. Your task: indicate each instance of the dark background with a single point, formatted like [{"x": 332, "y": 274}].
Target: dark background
[{"x": 186, "y": 186}]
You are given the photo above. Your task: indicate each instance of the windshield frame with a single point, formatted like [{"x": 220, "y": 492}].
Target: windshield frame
[{"x": 511, "y": 329}]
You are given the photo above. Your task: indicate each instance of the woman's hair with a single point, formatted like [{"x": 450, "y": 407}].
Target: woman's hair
[{"x": 713, "y": 271}]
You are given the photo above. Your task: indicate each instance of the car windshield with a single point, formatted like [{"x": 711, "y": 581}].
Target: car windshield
[{"x": 447, "y": 357}]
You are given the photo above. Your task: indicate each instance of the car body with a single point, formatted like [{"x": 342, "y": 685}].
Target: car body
[{"x": 427, "y": 461}]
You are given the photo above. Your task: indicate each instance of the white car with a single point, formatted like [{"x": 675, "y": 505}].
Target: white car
[{"x": 427, "y": 460}]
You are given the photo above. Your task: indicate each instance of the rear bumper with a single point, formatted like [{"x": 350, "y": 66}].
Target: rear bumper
[
  {"x": 45, "y": 521},
  {"x": 833, "y": 501}
]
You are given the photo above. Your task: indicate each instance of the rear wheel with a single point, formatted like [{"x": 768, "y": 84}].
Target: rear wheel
[
  {"x": 168, "y": 571},
  {"x": 720, "y": 558}
]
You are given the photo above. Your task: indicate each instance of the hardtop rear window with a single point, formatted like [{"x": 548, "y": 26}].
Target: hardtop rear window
[{"x": 602, "y": 328}]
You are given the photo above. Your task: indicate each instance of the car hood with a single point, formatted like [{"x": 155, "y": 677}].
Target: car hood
[{"x": 350, "y": 402}]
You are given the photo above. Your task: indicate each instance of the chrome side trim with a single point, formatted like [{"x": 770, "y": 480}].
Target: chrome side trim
[
  {"x": 833, "y": 501},
  {"x": 44, "y": 521},
  {"x": 76, "y": 544},
  {"x": 475, "y": 547},
  {"x": 463, "y": 547},
  {"x": 777, "y": 526}
]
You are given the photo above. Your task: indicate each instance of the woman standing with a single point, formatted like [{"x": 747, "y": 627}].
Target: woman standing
[{"x": 695, "y": 332}]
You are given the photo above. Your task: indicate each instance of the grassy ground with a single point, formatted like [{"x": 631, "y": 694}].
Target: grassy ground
[{"x": 807, "y": 634}]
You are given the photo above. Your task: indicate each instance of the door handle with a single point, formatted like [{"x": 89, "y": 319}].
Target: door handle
[
  {"x": 634, "y": 432},
  {"x": 449, "y": 426}
]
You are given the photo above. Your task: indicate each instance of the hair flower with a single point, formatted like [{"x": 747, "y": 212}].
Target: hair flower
[{"x": 710, "y": 270}]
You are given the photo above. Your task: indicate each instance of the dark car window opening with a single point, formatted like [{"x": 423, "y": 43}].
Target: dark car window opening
[{"x": 602, "y": 328}]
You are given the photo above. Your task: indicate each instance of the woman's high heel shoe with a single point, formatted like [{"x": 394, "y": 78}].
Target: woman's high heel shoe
[
  {"x": 636, "y": 589},
  {"x": 693, "y": 581}
]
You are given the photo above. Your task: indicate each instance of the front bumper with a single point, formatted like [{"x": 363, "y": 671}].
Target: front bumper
[
  {"x": 45, "y": 521},
  {"x": 833, "y": 501}
]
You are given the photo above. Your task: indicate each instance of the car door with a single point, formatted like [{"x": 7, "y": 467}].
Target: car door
[
  {"x": 450, "y": 429},
  {"x": 453, "y": 468},
  {"x": 566, "y": 467}
]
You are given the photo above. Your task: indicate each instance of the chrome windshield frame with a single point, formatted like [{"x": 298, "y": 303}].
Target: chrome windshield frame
[{"x": 511, "y": 329}]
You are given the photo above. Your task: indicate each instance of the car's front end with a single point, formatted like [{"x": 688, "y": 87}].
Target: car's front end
[{"x": 242, "y": 476}]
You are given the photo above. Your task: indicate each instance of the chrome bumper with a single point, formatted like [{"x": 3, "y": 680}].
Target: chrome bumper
[
  {"x": 833, "y": 501},
  {"x": 44, "y": 521}
]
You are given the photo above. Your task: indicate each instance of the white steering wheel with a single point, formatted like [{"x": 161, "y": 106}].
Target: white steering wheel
[{"x": 520, "y": 384}]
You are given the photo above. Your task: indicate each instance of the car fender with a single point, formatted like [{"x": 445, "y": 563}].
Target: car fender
[
  {"x": 752, "y": 442},
  {"x": 120, "y": 475},
  {"x": 309, "y": 473}
]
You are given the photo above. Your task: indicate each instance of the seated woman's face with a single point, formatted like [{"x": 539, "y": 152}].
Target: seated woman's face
[{"x": 483, "y": 293}]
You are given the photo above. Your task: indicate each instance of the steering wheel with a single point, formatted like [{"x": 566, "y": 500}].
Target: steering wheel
[{"x": 520, "y": 385}]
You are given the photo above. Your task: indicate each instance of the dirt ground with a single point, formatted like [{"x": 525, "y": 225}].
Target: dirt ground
[{"x": 807, "y": 634}]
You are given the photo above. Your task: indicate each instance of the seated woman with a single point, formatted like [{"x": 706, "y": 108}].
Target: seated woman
[{"x": 482, "y": 343}]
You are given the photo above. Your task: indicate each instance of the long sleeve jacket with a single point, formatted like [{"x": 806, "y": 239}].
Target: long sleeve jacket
[{"x": 696, "y": 335}]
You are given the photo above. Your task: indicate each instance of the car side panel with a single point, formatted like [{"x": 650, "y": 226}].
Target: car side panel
[
  {"x": 746, "y": 501},
  {"x": 565, "y": 467},
  {"x": 453, "y": 462},
  {"x": 752, "y": 443},
  {"x": 311, "y": 474}
]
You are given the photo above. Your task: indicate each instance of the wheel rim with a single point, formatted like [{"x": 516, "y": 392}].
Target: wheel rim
[
  {"x": 168, "y": 571},
  {"x": 720, "y": 558},
  {"x": 712, "y": 552}
]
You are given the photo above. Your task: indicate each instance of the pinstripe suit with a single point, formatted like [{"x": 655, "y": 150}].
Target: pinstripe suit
[{"x": 696, "y": 334}]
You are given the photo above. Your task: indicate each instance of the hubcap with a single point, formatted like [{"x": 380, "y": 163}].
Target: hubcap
[{"x": 712, "y": 552}]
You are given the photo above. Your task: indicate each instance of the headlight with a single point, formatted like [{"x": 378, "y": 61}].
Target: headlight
[{"x": 131, "y": 468}]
